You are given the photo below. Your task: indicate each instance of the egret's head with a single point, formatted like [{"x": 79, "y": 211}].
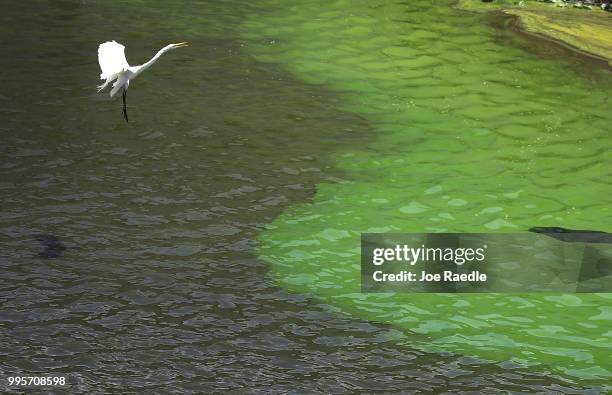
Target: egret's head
[{"x": 177, "y": 45}]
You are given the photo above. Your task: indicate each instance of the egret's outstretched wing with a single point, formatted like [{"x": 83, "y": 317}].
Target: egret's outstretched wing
[{"x": 111, "y": 56}]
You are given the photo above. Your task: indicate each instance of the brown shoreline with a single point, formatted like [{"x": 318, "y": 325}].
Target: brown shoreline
[{"x": 501, "y": 20}]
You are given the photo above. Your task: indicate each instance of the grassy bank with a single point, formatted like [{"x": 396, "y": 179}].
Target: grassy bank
[{"x": 589, "y": 31}]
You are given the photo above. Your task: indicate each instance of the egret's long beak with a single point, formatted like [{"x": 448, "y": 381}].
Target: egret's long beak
[{"x": 180, "y": 45}]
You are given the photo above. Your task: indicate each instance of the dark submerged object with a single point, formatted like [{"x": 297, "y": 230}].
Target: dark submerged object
[
  {"x": 595, "y": 268},
  {"x": 574, "y": 235},
  {"x": 53, "y": 246}
]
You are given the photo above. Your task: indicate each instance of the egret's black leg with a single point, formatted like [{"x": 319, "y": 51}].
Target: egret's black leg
[{"x": 125, "y": 106}]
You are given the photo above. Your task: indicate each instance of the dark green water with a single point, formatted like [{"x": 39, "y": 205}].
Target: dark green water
[{"x": 272, "y": 105}]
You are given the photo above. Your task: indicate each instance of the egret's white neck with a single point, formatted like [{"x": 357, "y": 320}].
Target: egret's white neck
[{"x": 139, "y": 69}]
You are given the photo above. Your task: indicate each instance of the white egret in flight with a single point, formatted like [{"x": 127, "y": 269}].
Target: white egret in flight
[{"x": 114, "y": 66}]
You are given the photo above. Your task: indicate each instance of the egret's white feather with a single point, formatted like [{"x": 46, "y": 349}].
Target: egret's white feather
[
  {"x": 111, "y": 56},
  {"x": 122, "y": 82},
  {"x": 110, "y": 79}
]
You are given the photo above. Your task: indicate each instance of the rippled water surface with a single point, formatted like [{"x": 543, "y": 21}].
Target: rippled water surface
[
  {"x": 129, "y": 252},
  {"x": 476, "y": 131}
]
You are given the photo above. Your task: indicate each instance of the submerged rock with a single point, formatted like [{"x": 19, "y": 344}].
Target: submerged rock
[
  {"x": 53, "y": 247},
  {"x": 574, "y": 235}
]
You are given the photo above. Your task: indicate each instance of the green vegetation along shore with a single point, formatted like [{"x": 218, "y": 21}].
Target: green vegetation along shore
[{"x": 588, "y": 30}]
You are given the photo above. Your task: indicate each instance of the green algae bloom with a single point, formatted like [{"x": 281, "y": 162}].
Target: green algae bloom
[{"x": 473, "y": 134}]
